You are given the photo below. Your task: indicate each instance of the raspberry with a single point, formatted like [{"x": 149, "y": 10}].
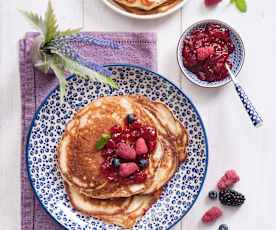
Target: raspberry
[
  {"x": 116, "y": 129},
  {"x": 111, "y": 144},
  {"x": 211, "y": 2},
  {"x": 211, "y": 215},
  {"x": 126, "y": 152},
  {"x": 204, "y": 52},
  {"x": 141, "y": 146},
  {"x": 126, "y": 169},
  {"x": 140, "y": 177},
  {"x": 152, "y": 145},
  {"x": 149, "y": 133},
  {"x": 229, "y": 178}
]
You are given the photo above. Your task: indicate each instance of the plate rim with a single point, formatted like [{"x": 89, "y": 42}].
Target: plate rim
[
  {"x": 35, "y": 116},
  {"x": 144, "y": 17}
]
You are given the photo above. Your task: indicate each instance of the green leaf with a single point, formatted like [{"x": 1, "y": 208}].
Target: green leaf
[
  {"x": 241, "y": 5},
  {"x": 82, "y": 71},
  {"x": 102, "y": 141},
  {"x": 50, "y": 21},
  {"x": 35, "y": 19},
  {"x": 68, "y": 32},
  {"x": 60, "y": 75}
]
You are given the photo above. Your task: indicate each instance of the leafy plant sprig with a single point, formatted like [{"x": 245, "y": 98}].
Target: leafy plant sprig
[
  {"x": 240, "y": 4},
  {"x": 55, "y": 51}
]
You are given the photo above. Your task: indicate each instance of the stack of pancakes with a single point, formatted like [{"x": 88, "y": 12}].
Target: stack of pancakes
[
  {"x": 89, "y": 191},
  {"x": 146, "y": 7}
]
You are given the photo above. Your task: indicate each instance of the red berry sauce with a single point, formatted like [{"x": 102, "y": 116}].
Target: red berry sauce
[
  {"x": 206, "y": 51},
  {"x": 128, "y": 134}
]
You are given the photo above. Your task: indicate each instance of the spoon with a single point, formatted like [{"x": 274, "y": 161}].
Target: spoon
[{"x": 256, "y": 119}]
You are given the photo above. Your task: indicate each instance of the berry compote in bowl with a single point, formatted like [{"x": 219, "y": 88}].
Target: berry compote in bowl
[{"x": 204, "y": 49}]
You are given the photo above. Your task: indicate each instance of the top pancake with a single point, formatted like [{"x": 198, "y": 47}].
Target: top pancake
[{"x": 79, "y": 161}]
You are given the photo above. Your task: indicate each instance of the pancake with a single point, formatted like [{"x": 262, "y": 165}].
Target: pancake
[
  {"x": 168, "y": 125},
  {"x": 80, "y": 162},
  {"x": 142, "y": 4},
  {"x": 120, "y": 211},
  {"x": 147, "y": 7}
]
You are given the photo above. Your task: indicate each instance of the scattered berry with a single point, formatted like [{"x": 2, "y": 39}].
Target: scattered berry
[
  {"x": 141, "y": 146},
  {"x": 211, "y": 215},
  {"x": 116, "y": 162},
  {"x": 229, "y": 178},
  {"x": 211, "y": 2},
  {"x": 126, "y": 169},
  {"x": 130, "y": 118},
  {"x": 143, "y": 163},
  {"x": 125, "y": 151},
  {"x": 231, "y": 198},
  {"x": 213, "y": 195},
  {"x": 223, "y": 227}
]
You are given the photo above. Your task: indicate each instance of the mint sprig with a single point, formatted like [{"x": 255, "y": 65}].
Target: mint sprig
[
  {"x": 102, "y": 141},
  {"x": 240, "y": 4}
]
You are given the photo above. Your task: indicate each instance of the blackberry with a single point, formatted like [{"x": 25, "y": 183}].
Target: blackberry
[
  {"x": 213, "y": 195},
  {"x": 231, "y": 198}
]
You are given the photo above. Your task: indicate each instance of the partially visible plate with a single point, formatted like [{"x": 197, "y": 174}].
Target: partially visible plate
[
  {"x": 49, "y": 122},
  {"x": 114, "y": 6}
]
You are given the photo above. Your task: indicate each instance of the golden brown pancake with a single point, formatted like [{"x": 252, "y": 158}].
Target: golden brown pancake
[
  {"x": 120, "y": 211},
  {"x": 80, "y": 162},
  {"x": 88, "y": 190},
  {"x": 147, "y": 7}
]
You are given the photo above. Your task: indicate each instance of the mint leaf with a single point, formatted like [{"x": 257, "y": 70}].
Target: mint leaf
[
  {"x": 102, "y": 141},
  {"x": 241, "y": 5}
]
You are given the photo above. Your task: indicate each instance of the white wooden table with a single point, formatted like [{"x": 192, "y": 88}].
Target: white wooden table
[{"x": 233, "y": 142}]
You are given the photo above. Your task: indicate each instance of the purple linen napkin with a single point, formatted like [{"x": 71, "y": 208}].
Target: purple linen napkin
[{"x": 137, "y": 48}]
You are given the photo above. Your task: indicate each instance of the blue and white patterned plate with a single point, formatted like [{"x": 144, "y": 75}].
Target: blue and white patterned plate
[
  {"x": 236, "y": 58},
  {"x": 49, "y": 122}
]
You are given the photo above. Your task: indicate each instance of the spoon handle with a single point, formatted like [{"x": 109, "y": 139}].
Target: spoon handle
[{"x": 250, "y": 109}]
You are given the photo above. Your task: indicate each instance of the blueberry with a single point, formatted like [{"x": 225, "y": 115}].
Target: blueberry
[
  {"x": 223, "y": 227},
  {"x": 213, "y": 195},
  {"x": 116, "y": 162},
  {"x": 143, "y": 163},
  {"x": 130, "y": 118}
]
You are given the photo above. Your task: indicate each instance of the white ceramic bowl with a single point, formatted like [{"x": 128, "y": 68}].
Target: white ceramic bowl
[
  {"x": 236, "y": 58},
  {"x": 120, "y": 10}
]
